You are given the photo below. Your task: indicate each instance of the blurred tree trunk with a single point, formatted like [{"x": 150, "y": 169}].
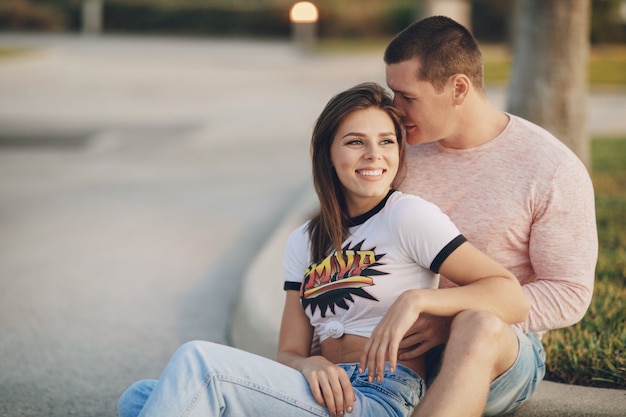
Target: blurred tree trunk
[
  {"x": 549, "y": 75},
  {"x": 459, "y": 10},
  {"x": 92, "y": 16}
]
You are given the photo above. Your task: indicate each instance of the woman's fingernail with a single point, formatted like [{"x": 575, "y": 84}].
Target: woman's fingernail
[{"x": 349, "y": 409}]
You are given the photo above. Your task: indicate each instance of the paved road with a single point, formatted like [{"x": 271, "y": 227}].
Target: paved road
[{"x": 138, "y": 178}]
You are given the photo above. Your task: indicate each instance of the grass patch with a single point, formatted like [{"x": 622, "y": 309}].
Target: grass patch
[
  {"x": 497, "y": 63},
  {"x": 593, "y": 352},
  {"x": 11, "y": 52},
  {"x": 606, "y": 68}
]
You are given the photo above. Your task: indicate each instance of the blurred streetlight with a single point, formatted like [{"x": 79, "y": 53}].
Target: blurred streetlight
[{"x": 303, "y": 16}]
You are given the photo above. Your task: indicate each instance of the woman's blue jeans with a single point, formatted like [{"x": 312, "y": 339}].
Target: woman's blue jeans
[{"x": 204, "y": 379}]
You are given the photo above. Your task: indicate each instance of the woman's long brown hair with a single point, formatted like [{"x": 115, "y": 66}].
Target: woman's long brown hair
[{"x": 329, "y": 227}]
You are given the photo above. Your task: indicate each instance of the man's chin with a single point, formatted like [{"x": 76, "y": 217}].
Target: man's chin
[
  {"x": 412, "y": 135},
  {"x": 414, "y": 139}
]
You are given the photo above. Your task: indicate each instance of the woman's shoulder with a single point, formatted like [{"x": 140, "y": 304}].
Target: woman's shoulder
[
  {"x": 408, "y": 211},
  {"x": 401, "y": 202},
  {"x": 298, "y": 245},
  {"x": 420, "y": 225}
]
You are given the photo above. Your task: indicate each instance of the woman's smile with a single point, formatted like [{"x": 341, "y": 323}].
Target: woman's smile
[{"x": 370, "y": 172}]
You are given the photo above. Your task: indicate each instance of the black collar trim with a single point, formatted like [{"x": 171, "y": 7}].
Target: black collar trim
[{"x": 362, "y": 218}]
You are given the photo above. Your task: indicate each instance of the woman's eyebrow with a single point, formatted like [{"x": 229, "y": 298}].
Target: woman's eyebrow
[{"x": 362, "y": 135}]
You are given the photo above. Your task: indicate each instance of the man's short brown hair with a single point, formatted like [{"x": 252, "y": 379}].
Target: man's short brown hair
[{"x": 443, "y": 47}]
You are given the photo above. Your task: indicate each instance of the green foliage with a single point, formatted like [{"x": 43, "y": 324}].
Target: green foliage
[
  {"x": 593, "y": 352},
  {"x": 606, "y": 26},
  {"x": 25, "y": 15},
  {"x": 492, "y": 20},
  {"x": 400, "y": 16},
  {"x": 200, "y": 20}
]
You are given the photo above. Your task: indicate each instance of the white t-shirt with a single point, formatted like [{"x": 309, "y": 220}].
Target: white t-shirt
[{"x": 397, "y": 246}]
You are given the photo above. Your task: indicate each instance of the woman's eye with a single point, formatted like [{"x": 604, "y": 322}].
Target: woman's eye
[
  {"x": 387, "y": 141},
  {"x": 355, "y": 142}
]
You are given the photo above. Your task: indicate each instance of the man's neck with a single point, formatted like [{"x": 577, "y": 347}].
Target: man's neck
[{"x": 479, "y": 123}]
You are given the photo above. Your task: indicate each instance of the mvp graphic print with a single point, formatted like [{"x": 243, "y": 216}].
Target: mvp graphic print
[{"x": 334, "y": 281}]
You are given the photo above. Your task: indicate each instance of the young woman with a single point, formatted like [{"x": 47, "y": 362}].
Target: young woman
[{"x": 358, "y": 275}]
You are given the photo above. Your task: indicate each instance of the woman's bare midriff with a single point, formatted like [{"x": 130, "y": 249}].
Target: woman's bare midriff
[{"x": 348, "y": 349}]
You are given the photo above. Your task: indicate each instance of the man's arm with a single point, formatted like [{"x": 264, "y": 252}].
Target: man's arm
[{"x": 563, "y": 250}]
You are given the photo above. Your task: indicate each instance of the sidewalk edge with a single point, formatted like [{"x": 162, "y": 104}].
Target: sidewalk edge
[{"x": 256, "y": 321}]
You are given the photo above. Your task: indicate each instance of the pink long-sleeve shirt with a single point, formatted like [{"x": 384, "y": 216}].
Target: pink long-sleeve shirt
[{"x": 527, "y": 201}]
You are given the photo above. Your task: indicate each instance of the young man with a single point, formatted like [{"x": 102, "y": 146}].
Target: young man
[{"x": 516, "y": 192}]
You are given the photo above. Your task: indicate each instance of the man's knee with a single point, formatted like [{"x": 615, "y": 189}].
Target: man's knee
[
  {"x": 483, "y": 323},
  {"x": 484, "y": 339},
  {"x": 480, "y": 329}
]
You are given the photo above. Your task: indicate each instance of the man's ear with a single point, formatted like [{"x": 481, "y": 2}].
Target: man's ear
[{"x": 461, "y": 86}]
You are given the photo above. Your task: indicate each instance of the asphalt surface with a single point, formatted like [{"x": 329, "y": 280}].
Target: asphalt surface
[{"x": 139, "y": 180}]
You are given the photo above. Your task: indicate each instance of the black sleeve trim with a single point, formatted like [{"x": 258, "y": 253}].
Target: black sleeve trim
[
  {"x": 292, "y": 286},
  {"x": 445, "y": 252}
]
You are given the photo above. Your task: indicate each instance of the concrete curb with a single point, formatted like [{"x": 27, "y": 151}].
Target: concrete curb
[
  {"x": 256, "y": 321},
  {"x": 256, "y": 324},
  {"x": 562, "y": 400}
]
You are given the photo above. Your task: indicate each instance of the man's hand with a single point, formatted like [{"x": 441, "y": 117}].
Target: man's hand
[
  {"x": 330, "y": 385},
  {"x": 426, "y": 333}
]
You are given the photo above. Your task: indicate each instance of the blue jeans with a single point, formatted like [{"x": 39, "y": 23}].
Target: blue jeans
[
  {"x": 207, "y": 379},
  {"x": 511, "y": 389}
]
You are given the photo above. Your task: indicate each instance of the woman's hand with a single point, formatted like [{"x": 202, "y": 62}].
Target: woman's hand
[
  {"x": 384, "y": 341},
  {"x": 329, "y": 384}
]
